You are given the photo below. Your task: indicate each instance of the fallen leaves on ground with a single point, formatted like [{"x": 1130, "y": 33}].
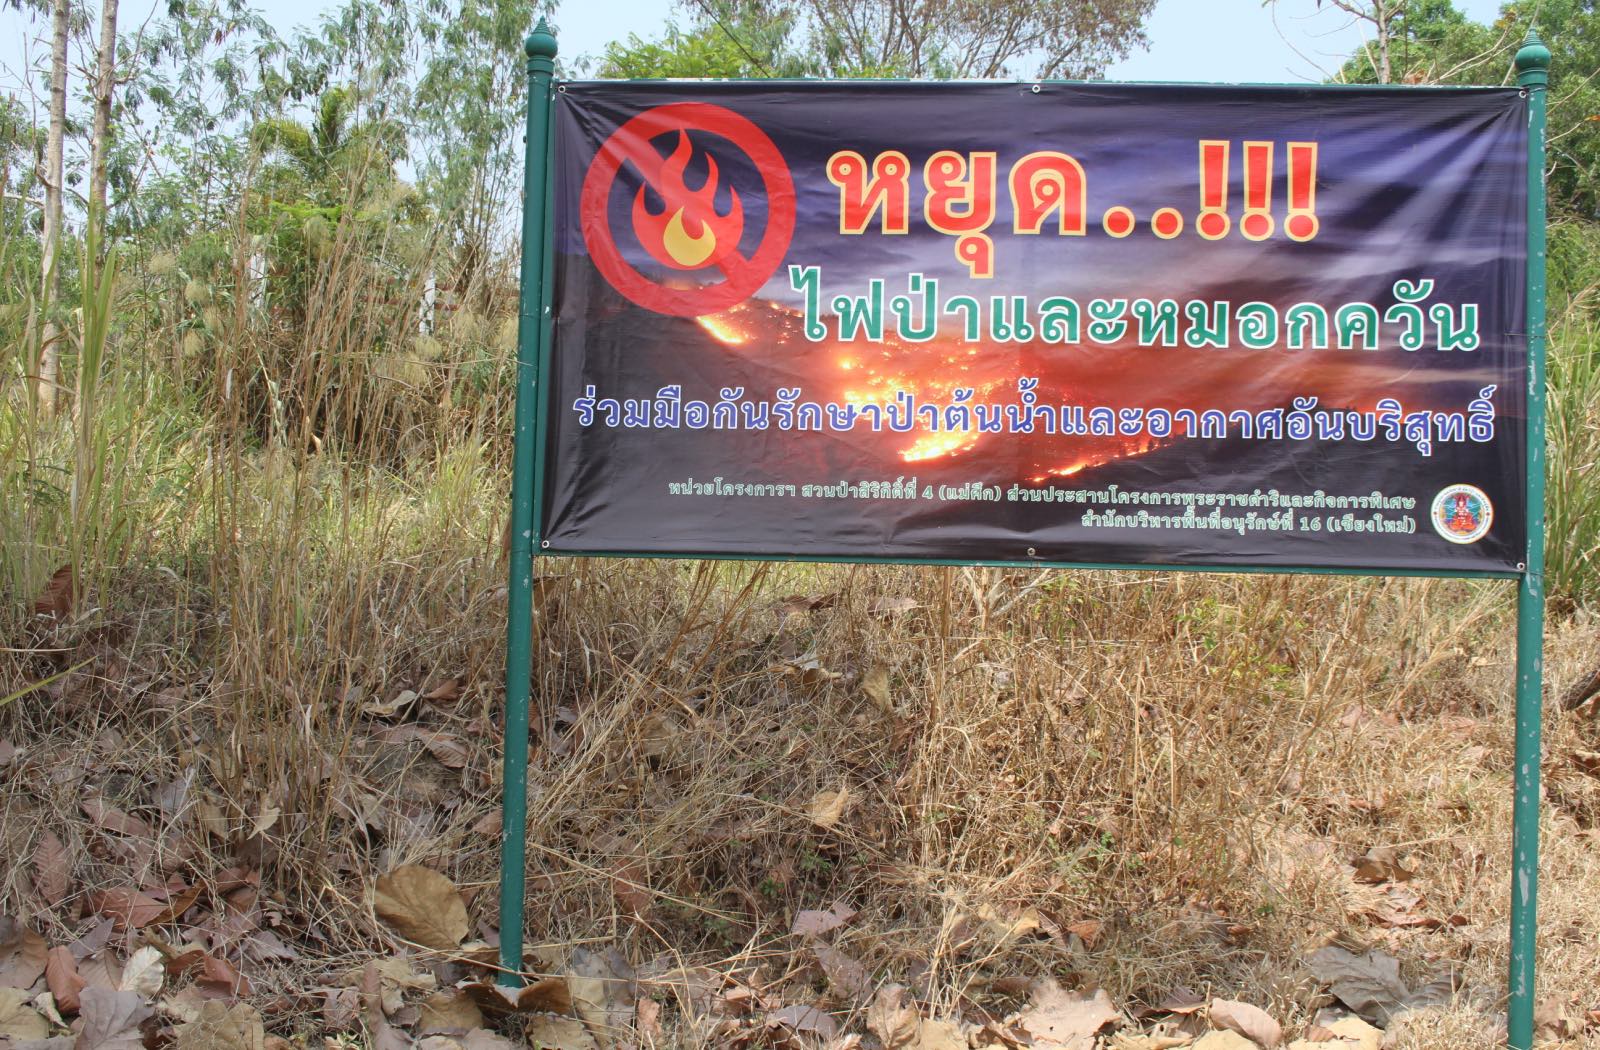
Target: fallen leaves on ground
[
  {"x": 423, "y": 906},
  {"x": 23, "y": 954},
  {"x": 111, "y": 1020},
  {"x": 52, "y": 869},
  {"x": 893, "y": 1021},
  {"x": 1370, "y": 984},
  {"x": 222, "y": 1027},
  {"x": 845, "y": 975},
  {"x": 818, "y": 923},
  {"x": 62, "y": 978},
  {"x": 18, "y": 1020},
  {"x": 1347, "y": 1033},
  {"x": 805, "y": 1019},
  {"x": 559, "y": 1033},
  {"x": 1223, "y": 1040},
  {"x": 548, "y": 995},
  {"x": 1067, "y": 1020},
  {"x": 827, "y": 807},
  {"x": 56, "y": 598},
  {"x": 449, "y": 1011},
  {"x": 1249, "y": 1021}
]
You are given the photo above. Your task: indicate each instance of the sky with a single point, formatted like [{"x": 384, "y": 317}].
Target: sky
[{"x": 1198, "y": 40}]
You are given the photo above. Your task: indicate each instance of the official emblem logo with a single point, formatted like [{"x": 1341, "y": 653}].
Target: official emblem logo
[
  {"x": 696, "y": 234},
  {"x": 1462, "y": 514}
]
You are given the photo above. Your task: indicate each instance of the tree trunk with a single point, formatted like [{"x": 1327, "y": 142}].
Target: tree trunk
[
  {"x": 50, "y": 236},
  {"x": 105, "y": 83},
  {"x": 1383, "y": 14}
]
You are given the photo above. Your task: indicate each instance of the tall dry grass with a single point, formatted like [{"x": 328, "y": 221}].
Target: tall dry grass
[{"x": 1138, "y": 780}]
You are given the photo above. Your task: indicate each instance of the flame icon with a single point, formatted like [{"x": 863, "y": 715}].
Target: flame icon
[{"x": 688, "y": 234}]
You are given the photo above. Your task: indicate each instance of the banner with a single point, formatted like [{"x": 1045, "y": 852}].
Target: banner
[{"x": 1114, "y": 324}]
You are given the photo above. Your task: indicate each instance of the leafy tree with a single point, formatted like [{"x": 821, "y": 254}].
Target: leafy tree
[
  {"x": 737, "y": 41},
  {"x": 1431, "y": 42},
  {"x": 892, "y": 38},
  {"x": 469, "y": 111}
]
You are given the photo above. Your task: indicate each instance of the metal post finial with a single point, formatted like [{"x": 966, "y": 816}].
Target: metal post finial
[
  {"x": 541, "y": 43},
  {"x": 1533, "y": 60}
]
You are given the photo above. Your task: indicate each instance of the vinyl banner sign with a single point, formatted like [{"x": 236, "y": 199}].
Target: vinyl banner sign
[{"x": 1138, "y": 325}]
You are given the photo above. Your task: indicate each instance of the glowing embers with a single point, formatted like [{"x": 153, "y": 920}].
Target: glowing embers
[
  {"x": 938, "y": 446},
  {"x": 722, "y": 329}
]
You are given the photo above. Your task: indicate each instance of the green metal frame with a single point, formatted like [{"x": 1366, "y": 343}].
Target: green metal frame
[
  {"x": 533, "y": 326},
  {"x": 533, "y": 357},
  {"x": 1533, "y": 74}
]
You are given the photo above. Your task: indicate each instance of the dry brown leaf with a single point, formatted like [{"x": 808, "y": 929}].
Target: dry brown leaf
[
  {"x": 827, "y": 807},
  {"x": 52, "y": 869},
  {"x": 940, "y": 1035},
  {"x": 449, "y": 1011},
  {"x": 397, "y": 975},
  {"x": 439, "y": 1042},
  {"x": 629, "y": 885},
  {"x": 100, "y": 970},
  {"x": 381, "y": 709},
  {"x": 483, "y": 1039},
  {"x": 446, "y": 692},
  {"x": 219, "y": 979},
  {"x": 111, "y": 1020},
  {"x": 845, "y": 974},
  {"x": 1368, "y": 984},
  {"x": 221, "y": 1027},
  {"x": 383, "y": 1035},
  {"x": 61, "y": 977},
  {"x": 45, "y": 1003},
  {"x": 1149, "y": 1041},
  {"x": 1347, "y": 1033},
  {"x": 549, "y": 995},
  {"x": 340, "y": 1006},
  {"x": 805, "y": 1019},
  {"x": 22, "y": 954},
  {"x": 875, "y": 687},
  {"x": 143, "y": 973},
  {"x": 599, "y": 995},
  {"x": 647, "y": 1019},
  {"x": 894, "y": 1023},
  {"x": 130, "y": 908},
  {"x": 1381, "y": 864},
  {"x": 423, "y": 906},
  {"x": 18, "y": 1020},
  {"x": 817, "y": 923},
  {"x": 184, "y": 1005},
  {"x": 559, "y": 1033},
  {"x": 1058, "y": 1018},
  {"x": 1089, "y": 931},
  {"x": 1223, "y": 1041},
  {"x": 449, "y": 750},
  {"x": 110, "y": 818},
  {"x": 1249, "y": 1021},
  {"x": 56, "y": 598}
]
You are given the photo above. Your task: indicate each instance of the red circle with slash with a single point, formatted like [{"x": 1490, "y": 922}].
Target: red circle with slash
[{"x": 742, "y": 276}]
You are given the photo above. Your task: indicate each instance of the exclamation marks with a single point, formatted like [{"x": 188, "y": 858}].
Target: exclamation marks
[
  {"x": 1257, "y": 222},
  {"x": 1302, "y": 224},
  {"x": 1213, "y": 221}
]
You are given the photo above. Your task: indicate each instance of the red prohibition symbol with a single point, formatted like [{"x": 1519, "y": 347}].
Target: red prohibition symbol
[{"x": 690, "y": 234}]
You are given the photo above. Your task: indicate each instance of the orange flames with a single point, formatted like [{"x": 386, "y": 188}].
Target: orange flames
[{"x": 688, "y": 234}]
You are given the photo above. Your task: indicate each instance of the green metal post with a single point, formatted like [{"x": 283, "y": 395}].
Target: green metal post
[
  {"x": 1533, "y": 74},
  {"x": 541, "y": 50}
]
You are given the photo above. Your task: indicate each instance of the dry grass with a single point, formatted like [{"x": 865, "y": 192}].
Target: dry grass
[{"x": 1188, "y": 761}]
